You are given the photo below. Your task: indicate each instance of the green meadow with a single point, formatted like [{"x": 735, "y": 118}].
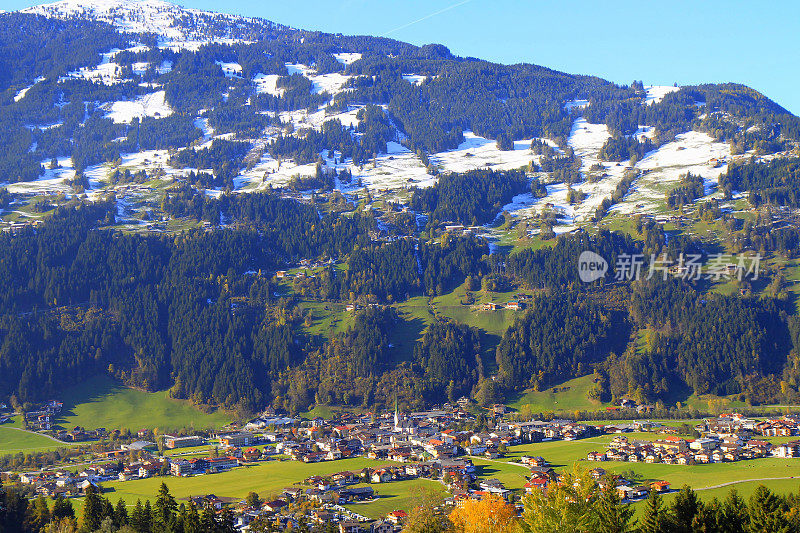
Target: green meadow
[
  {"x": 101, "y": 402},
  {"x": 14, "y": 440}
]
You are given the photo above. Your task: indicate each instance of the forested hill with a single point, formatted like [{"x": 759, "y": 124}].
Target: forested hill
[{"x": 249, "y": 214}]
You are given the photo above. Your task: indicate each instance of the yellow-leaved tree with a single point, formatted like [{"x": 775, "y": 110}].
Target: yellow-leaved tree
[
  {"x": 492, "y": 514},
  {"x": 566, "y": 506}
]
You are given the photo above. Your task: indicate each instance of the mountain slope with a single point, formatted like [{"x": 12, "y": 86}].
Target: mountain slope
[
  {"x": 175, "y": 159},
  {"x": 173, "y": 23},
  {"x": 219, "y": 77}
]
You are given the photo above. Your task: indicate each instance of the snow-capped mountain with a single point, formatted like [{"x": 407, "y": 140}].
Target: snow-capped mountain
[
  {"x": 172, "y": 22},
  {"x": 270, "y": 107}
]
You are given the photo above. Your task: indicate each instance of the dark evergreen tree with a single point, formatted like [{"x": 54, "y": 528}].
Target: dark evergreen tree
[
  {"x": 120, "y": 514},
  {"x": 734, "y": 515},
  {"x": 768, "y": 512},
  {"x": 164, "y": 510},
  {"x": 62, "y": 508},
  {"x": 684, "y": 509},
  {"x": 92, "y": 509},
  {"x": 612, "y": 515},
  {"x": 654, "y": 518}
]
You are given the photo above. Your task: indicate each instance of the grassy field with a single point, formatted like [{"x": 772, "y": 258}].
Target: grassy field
[
  {"x": 398, "y": 495},
  {"x": 12, "y": 440},
  {"x": 100, "y": 402},
  {"x": 572, "y": 395},
  {"x": 512, "y": 476},
  {"x": 455, "y": 305},
  {"x": 269, "y": 479},
  {"x": 564, "y": 454},
  {"x": 327, "y": 318}
]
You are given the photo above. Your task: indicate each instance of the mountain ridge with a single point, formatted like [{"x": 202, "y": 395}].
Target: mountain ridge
[{"x": 367, "y": 172}]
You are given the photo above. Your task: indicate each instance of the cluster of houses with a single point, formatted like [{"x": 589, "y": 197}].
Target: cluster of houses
[
  {"x": 514, "y": 305},
  {"x": 12, "y": 227},
  {"x": 517, "y": 303},
  {"x": 414, "y": 445},
  {"x": 53, "y": 483},
  {"x": 679, "y": 451},
  {"x": 308, "y": 268},
  {"x": 727, "y": 438},
  {"x": 80, "y": 433},
  {"x": 41, "y": 418},
  {"x": 542, "y": 476},
  {"x": 426, "y": 444}
]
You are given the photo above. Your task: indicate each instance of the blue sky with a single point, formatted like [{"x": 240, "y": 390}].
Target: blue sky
[{"x": 658, "y": 42}]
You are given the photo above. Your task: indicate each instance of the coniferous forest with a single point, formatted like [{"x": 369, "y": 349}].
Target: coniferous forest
[
  {"x": 199, "y": 314},
  {"x": 201, "y": 311}
]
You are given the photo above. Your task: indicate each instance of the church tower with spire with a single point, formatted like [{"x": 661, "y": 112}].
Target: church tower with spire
[{"x": 396, "y": 415}]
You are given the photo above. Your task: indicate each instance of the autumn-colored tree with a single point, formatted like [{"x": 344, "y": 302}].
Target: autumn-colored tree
[
  {"x": 491, "y": 514},
  {"x": 566, "y": 506},
  {"x": 424, "y": 518}
]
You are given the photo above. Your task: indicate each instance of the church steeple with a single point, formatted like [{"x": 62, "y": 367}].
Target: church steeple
[{"x": 396, "y": 415}]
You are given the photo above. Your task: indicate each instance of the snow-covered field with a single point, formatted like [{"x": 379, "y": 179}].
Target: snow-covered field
[
  {"x": 107, "y": 72},
  {"x": 347, "y": 58},
  {"x": 576, "y": 104},
  {"x": 267, "y": 84},
  {"x": 148, "y": 105},
  {"x": 586, "y": 140},
  {"x": 331, "y": 83},
  {"x": 302, "y": 119},
  {"x": 479, "y": 152},
  {"x": 231, "y": 70},
  {"x": 52, "y": 181},
  {"x": 693, "y": 151},
  {"x": 414, "y": 79},
  {"x": 656, "y": 93},
  {"x": 398, "y": 169},
  {"x": 146, "y": 160}
]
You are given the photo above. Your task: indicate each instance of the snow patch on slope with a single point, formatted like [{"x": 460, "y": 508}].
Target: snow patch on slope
[
  {"x": 586, "y": 140},
  {"x": 267, "y": 84},
  {"x": 106, "y": 73},
  {"x": 347, "y": 58},
  {"x": 331, "y": 83},
  {"x": 576, "y": 104},
  {"x": 480, "y": 152},
  {"x": 148, "y": 105},
  {"x": 414, "y": 79},
  {"x": 51, "y": 182},
  {"x": 693, "y": 151},
  {"x": 656, "y": 93},
  {"x": 231, "y": 70},
  {"x": 21, "y": 94}
]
